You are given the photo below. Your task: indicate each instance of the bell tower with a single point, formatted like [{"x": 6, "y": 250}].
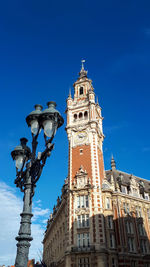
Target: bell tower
[{"x": 86, "y": 167}]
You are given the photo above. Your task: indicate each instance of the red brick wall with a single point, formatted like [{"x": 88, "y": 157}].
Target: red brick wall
[{"x": 83, "y": 159}]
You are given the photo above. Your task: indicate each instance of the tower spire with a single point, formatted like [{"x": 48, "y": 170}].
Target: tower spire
[
  {"x": 69, "y": 91},
  {"x": 113, "y": 163},
  {"x": 83, "y": 72},
  {"x": 82, "y": 61}
]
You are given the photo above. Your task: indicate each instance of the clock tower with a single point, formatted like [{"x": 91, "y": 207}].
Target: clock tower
[
  {"x": 86, "y": 170},
  {"x": 102, "y": 218}
]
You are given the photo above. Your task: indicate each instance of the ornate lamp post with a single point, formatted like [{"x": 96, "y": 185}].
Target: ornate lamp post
[{"x": 29, "y": 166}]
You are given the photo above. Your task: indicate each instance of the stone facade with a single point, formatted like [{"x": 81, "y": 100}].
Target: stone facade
[{"x": 102, "y": 218}]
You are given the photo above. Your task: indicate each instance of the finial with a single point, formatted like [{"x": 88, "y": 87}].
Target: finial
[
  {"x": 83, "y": 72},
  {"x": 82, "y": 61},
  {"x": 113, "y": 163},
  {"x": 69, "y": 91},
  {"x": 97, "y": 100}
]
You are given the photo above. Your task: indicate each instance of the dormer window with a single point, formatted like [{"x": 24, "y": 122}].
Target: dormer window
[
  {"x": 146, "y": 196},
  {"x": 81, "y": 91}
]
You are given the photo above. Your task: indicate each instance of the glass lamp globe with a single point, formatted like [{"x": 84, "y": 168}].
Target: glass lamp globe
[
  {"x": 48, "y": 128},
  {"x": 34, "y": 127},
  {"x": 19, "y": 161}
]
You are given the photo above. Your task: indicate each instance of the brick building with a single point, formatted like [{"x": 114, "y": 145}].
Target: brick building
[{"x": 102, "y": 217}]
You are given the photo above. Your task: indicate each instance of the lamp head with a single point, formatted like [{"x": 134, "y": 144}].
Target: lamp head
[
  {"x": 51, "y": 119},
  {"x": 33, "y": 119},
  {"x": 21, "y": 153}
]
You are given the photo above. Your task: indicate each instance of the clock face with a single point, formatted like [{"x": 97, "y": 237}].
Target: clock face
[{"x": 80, "y": 137}]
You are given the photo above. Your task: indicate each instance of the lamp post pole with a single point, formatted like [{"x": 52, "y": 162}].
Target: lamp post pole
[
  {"x": 24, "y": 236},
  {"x": 29, "y": 166}
]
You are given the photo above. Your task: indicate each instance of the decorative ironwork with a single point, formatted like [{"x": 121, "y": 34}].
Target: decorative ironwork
[{"x": 31, "y": 165}]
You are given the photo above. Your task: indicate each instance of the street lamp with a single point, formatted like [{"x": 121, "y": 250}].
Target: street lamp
[{"x": 29, "y": 166}]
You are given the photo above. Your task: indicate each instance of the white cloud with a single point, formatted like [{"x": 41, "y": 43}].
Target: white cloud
[
  {"x": 10, "y": 209},
  {"x": 38, "y": 211}
]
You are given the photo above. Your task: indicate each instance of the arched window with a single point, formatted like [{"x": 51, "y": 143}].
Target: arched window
[
  {"x": 85, "y": 114},
  {"x": 81, "y": 91},
  {"x": 75, "y": 116},
  {"x": 80, "y": 115}
]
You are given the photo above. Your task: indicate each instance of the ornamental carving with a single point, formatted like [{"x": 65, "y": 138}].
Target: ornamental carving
[
  {"x": 80, "y": 211},
  {"x": 79, "y": 128},
  {"x": 81, "y": 179}
]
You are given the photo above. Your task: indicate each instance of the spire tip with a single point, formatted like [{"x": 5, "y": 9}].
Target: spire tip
[{"x": 113, "y": 163}]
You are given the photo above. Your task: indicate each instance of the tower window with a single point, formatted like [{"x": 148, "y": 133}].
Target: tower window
[
  {"x": 83, "y": 221},
  {"x": 85, "y": 114},
  {"x": 83, "y": 201},
  {"x": 81, "y": 151},
  {"x": 81, "y": 90},
  {"x": 75, "y": 116},
  {"x": 80, "y": 115}
]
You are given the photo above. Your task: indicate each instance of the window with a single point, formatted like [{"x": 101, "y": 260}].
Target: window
[
  {"x": 133, "y": 263},
  {"x": 79, "y": 240},
  {"x": 141, "y": 229},
  {"x": 112, "y": 240},
  {"x": 83, "y": 221},
  {"x": 126, "y": 208},
  {"x": 131, "y": 245},
  {"x": 80, "y": 115},
  {"x": 83, "y": 240},
  {"x": 75, "y": 116},
  {"x": 86, "y": 201},
  {"x": 81, "y": 151},
  {"x": 138, "y": 211},
  {"x": 143, "y": 246},
  {"x": 110, "y": 222},
  {"x": 114, "y": 262},
  {"x": 83, "y": 262},
  {"x": 83, "y": 201},
  {"x": 146, "y": 196},
  {"x": 85, "y": 114},
  {"x": 129, "y": 227},
  {"x": 81, "y": 91},
  {"x": 107, "y": 203}
]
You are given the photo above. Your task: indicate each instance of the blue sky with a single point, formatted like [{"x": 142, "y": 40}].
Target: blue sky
[{"x": 42, "y": 44}]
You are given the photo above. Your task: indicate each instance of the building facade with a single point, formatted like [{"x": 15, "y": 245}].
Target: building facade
[{"x": 102, "y": 217}]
